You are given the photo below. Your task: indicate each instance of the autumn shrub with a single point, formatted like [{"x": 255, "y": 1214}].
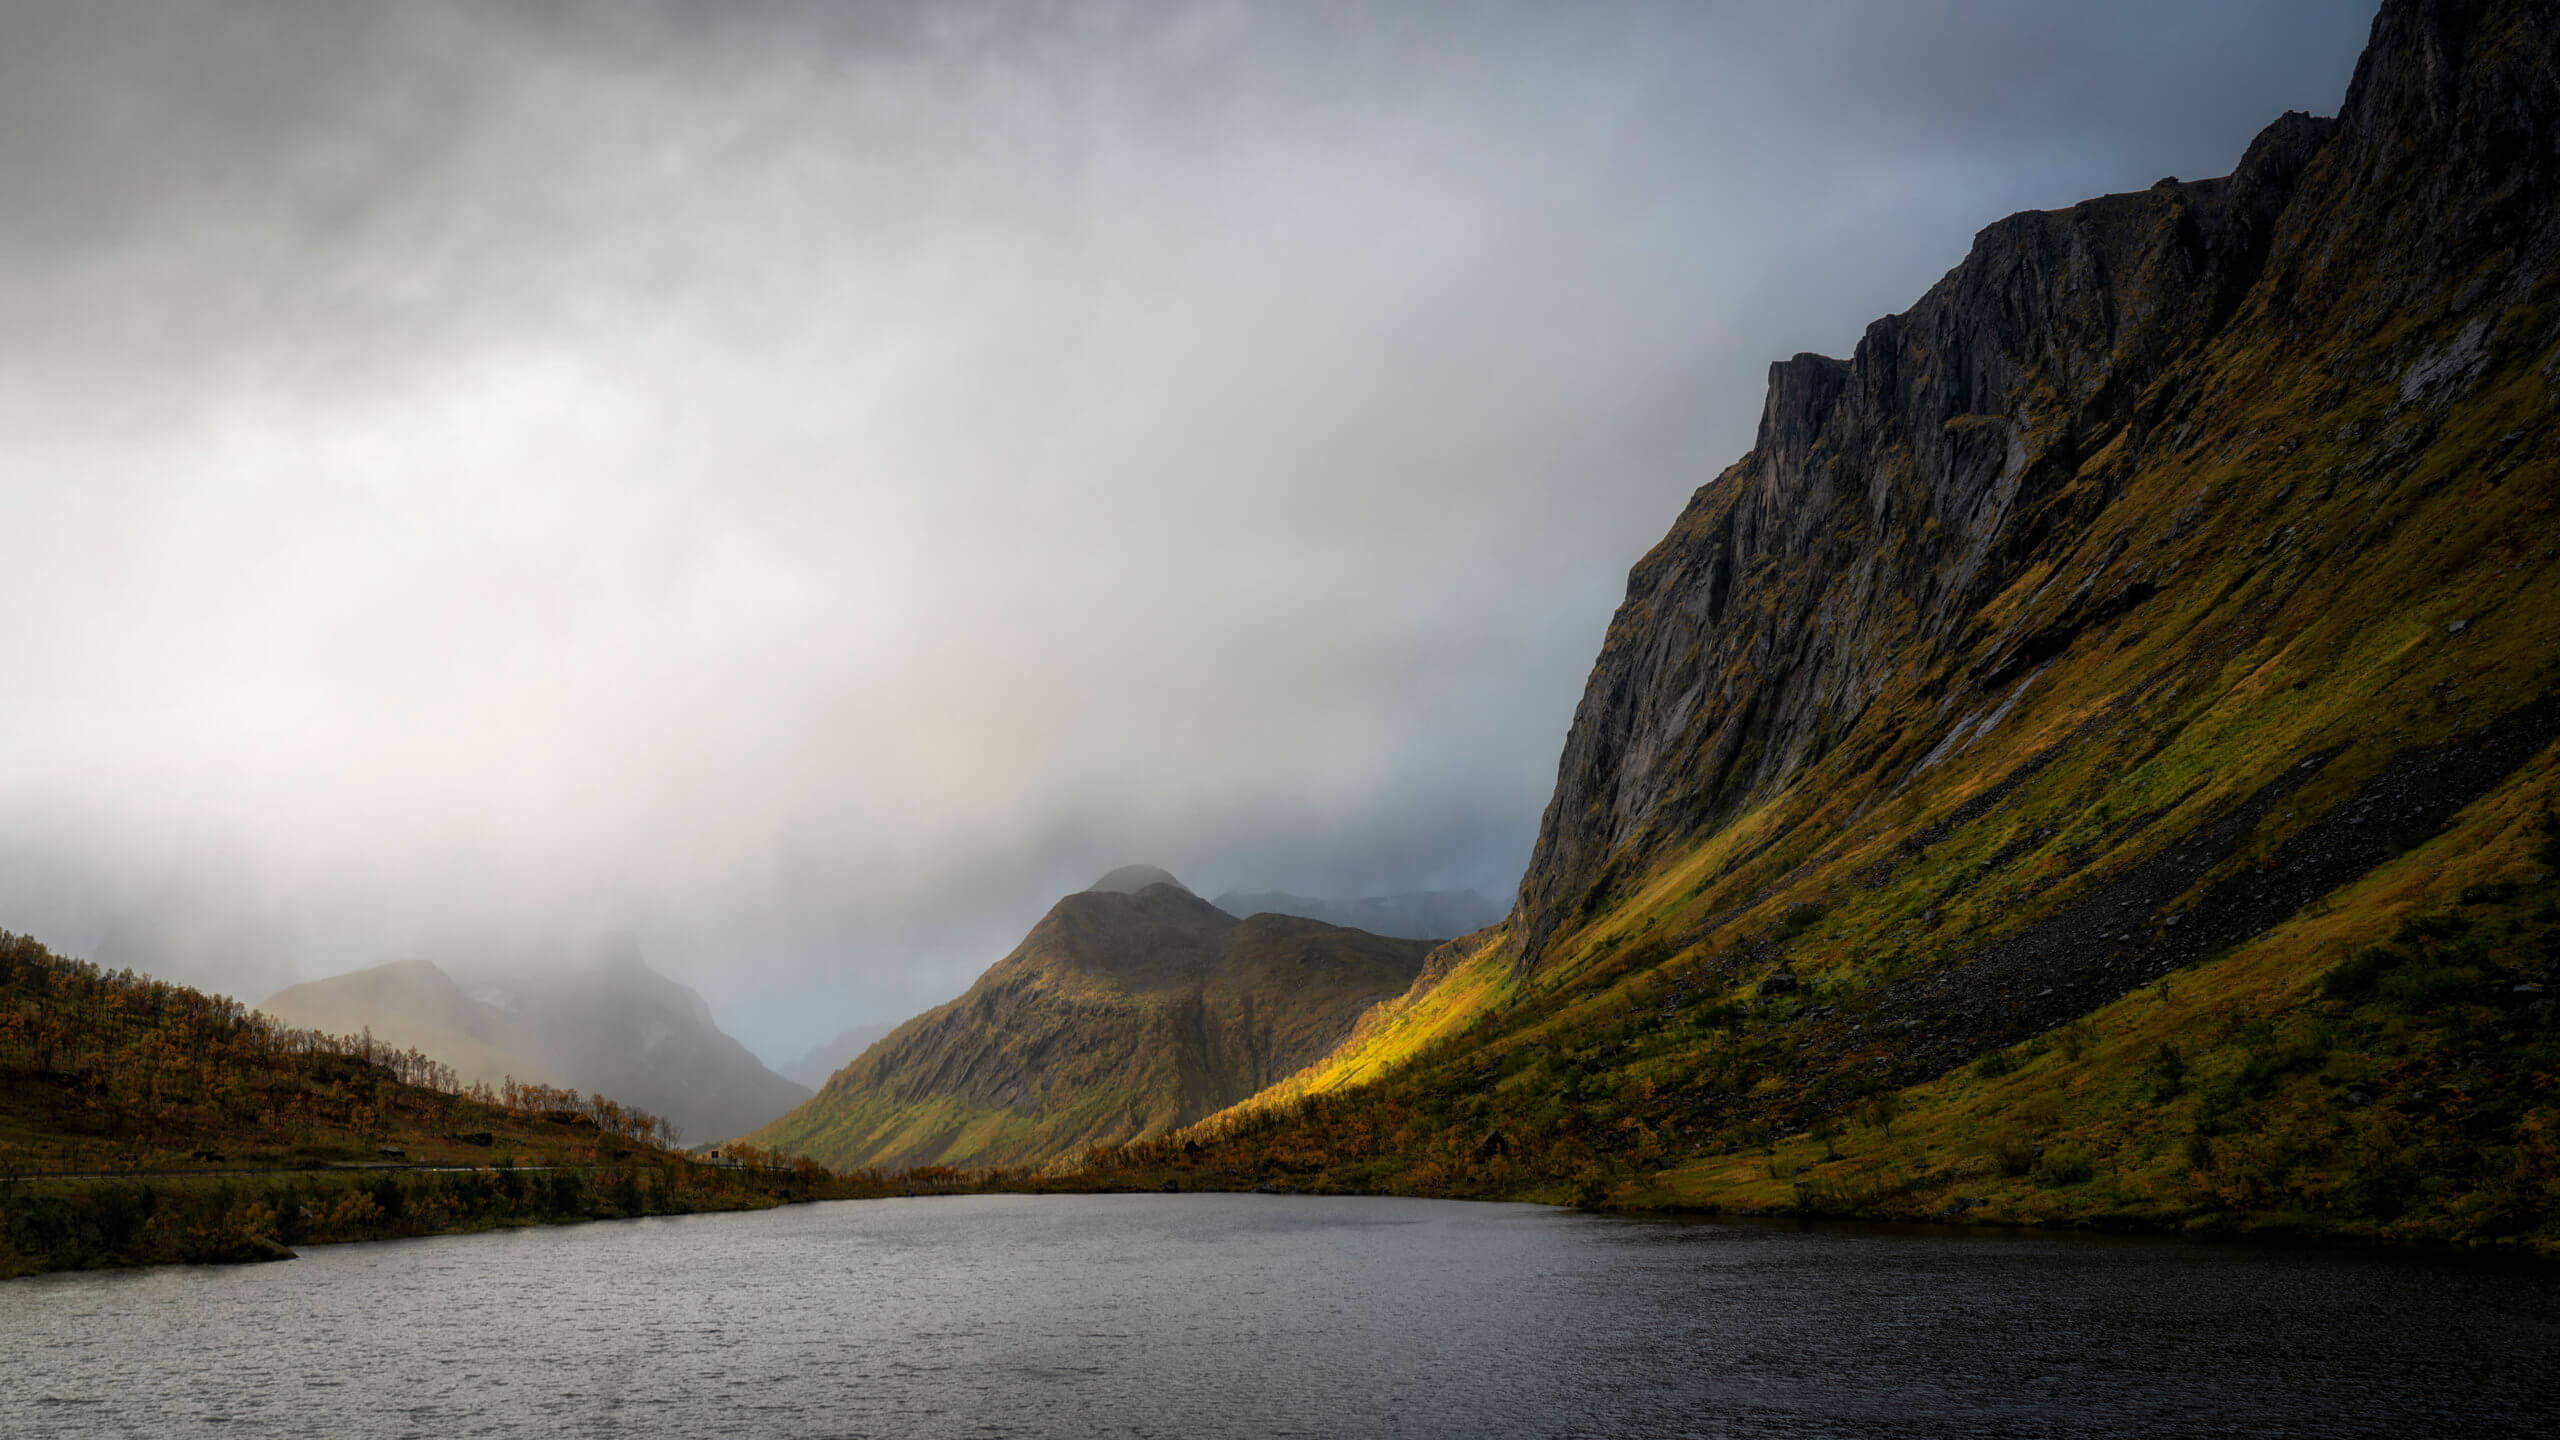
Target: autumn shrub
[
  {"x": 2013, "y": 1154},
  {"x": 1996, "y": 1064},
  {"x": 2167, "y": 1072},
  {"x": 2041, "y": 1114},
  {"x": 2065, "y": 1165},
  {"x": 1881, "y": 1110},
  {"x": 2199, "y": 1152},
  {"x": 2075, "y": 1039}
]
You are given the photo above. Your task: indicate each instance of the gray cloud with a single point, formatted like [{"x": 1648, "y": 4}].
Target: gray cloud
[{"x": 808, "y": 483}]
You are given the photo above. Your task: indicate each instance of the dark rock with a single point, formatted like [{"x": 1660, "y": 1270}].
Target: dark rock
[{"x": 1885, "y": 501}]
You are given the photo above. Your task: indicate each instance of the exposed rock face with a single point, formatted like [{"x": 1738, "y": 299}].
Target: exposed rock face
[
  {"x": 1890, "y": 497},
  {"x": 1120, "y": 1015}
]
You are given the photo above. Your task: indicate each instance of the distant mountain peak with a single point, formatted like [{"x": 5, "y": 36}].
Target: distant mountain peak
[
  {"x": 1129, "y": 1009},
  {"x": 1130, "y": 879}
]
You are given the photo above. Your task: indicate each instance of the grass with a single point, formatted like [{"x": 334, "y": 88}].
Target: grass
[{"x": 2325, "y": 582}]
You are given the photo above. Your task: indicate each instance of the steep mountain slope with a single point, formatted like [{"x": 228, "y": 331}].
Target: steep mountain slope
[
  {"x": 2110, "y": 712},
  {"x": 1420, "y": 915},
  {"x": 614, "y": 1027},
  {"x": 1121, "y": 1015}
]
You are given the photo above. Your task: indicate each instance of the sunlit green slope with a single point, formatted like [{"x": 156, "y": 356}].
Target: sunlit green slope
[{"x": 2112, "y": 713}]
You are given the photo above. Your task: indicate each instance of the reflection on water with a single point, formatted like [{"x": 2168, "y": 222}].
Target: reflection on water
[{"x": 1215, "y": 1315}]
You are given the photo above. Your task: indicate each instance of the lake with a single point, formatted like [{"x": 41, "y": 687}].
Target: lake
[{"x": 1243, "y": 1315}]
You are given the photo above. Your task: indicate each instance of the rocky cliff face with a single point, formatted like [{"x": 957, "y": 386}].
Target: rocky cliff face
[
  {"x": 1124, "y": 1013},
  {"x": 1983, "y": 435},
  {"x": 2094, "y": 760}
]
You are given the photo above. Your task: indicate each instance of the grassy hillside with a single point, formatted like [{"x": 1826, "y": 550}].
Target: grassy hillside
[
  {"x": 143, "y": 1122},
  {"x": 2092, "y": 762},
  {"x": 1122, "y": 1015}
]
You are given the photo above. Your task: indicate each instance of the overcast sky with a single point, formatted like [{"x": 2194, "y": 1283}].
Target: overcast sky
[{"x": 809, "y": 483}]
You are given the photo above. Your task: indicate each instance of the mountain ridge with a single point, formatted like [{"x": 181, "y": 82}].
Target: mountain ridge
[
  {"x": 1121, "y": 1015},
  {"x": 2091, "y": 761}
]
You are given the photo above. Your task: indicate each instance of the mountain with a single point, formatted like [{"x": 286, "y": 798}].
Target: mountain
[
  {"x": 822, "y": 1061},
  {"x": 2091, "y": 761},
  {"x": 1122, "y": 1015},
  {"x": 622, "y": 1028},
  {"x": 1130, "y": 879},
  {"x": 612, "y": 1026},
  {"x": 1422, "y": 915},
  {"x": 143, "y": 1122},
  {"x": 412, "y": 1005}
]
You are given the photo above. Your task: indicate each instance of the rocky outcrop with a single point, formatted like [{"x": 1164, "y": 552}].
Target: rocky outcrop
[{"x": 1890, "y": 497}]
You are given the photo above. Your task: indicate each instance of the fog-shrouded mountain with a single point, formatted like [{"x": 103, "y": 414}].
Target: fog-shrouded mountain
[
  {"x": 1130, "y": 879},
  {"x": 2093, "y": 760},
  {"x": 1123, "y": 1014},
  {"x": 612, "y": 1027},
  {"x": 411, "y": 1004},
  {"x": 813, "y": 1068},
  {"x": 1420, "y": 915}
]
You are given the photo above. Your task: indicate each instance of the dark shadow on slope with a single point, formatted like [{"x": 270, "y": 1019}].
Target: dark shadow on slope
[{"x": 2123, "y": 936}]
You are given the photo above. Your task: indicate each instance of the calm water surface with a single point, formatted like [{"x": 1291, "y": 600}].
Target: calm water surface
[{"x": 1219, "y": 1315}]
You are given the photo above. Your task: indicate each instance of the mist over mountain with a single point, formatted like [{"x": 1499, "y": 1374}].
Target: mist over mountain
[
  {"x": 821, "y": 1061},
  {"x": 1131, "y": 879},
  {"x": 1426, "y": 915},
  {"x": 413, "y": 1004},
  {"x": 610, "y": 1026},
  {"x": 806, "y": 483},
  {"x": 2094, "y": 760}
]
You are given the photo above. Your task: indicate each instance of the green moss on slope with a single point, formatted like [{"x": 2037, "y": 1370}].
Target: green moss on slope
[{"x": 1938, "y": 800}]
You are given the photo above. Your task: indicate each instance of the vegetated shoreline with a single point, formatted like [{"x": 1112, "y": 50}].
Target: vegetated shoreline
[
  {"x": 214, "y": 1219},
  {"x": 2275, "y": 1230},
  {"x": 235, "y": 1217}
]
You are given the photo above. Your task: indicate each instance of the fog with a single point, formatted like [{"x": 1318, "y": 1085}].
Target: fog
[{"x": 807, "y": 484}]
